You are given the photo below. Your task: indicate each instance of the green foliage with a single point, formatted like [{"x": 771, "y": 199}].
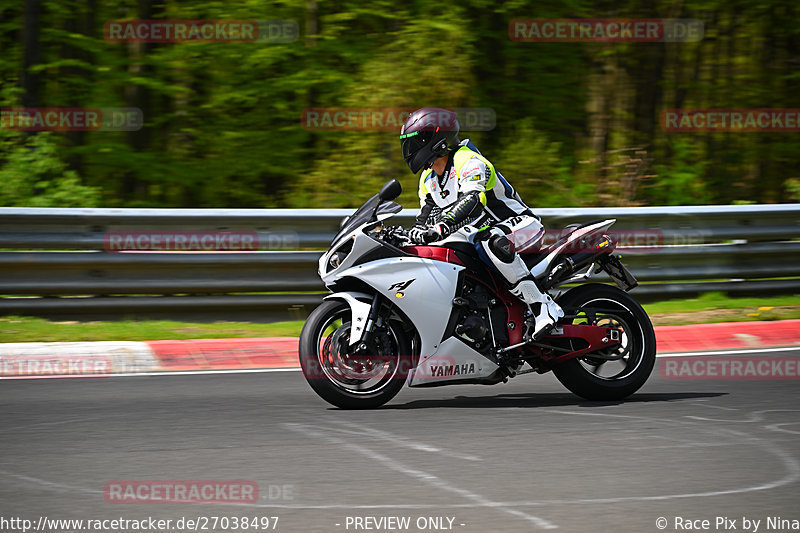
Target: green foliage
[
  {"x": 577, "y": 123},
  {"x": 537, "y": 168},
  {"x": 680, "y": 183},
  {"x": 34, "y": 176},
  {"x": 793, "y": 185}
]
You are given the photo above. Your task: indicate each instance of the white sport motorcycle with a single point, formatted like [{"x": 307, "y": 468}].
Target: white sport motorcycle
[{"x": 437, "y": 315}]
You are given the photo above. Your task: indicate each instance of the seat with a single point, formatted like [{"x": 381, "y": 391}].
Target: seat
[{"x": 534, "y": 256}]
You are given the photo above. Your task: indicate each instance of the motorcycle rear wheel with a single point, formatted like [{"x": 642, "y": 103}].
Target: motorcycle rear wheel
[{"x": 637, "y": 350}]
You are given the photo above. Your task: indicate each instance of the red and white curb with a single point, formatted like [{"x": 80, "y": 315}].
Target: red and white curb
[
  {"x": 97, "y": 359},
  {"x": 25, "y": 360},
  {"x": 727, "y": 335}
]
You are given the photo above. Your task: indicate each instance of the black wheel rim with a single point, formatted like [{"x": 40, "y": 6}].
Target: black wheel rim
[
  {"x": 630, "y": 352},
  {"x": 356, "y": 373}
]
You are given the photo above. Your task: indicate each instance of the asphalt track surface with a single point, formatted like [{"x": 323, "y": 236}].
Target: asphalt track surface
[{"x": 523, "y": 456}]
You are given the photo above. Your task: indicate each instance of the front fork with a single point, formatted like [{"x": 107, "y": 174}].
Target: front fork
[{"x": 372, "y": 316}]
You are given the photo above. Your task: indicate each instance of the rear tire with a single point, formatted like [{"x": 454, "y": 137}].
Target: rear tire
[
  {"x": 352, "y": 381},
  {"x": 581, "y": 375}
]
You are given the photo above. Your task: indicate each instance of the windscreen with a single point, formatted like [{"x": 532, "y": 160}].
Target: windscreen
[{"x": 365, "y": 213}]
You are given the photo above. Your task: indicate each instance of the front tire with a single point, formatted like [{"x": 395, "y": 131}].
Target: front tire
[
  {"x": 353, "y": 380},
  {"x": 637, "y": 351}
]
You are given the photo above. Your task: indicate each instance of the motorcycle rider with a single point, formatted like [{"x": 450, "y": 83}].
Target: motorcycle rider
[{"x": 459, "y": 187}]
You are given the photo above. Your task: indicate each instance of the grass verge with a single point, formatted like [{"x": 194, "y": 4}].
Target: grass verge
[
  {"x": 711, "y": 307},
  {"x": 717, "y": 307},
  {"x": 29, "y": 329}
]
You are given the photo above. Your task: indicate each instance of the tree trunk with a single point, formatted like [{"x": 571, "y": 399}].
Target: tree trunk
[
  {"x": 139, "y": 97},
  {"x": 31, "y": 55}
]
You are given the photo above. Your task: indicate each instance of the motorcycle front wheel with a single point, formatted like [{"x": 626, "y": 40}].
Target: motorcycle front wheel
[{"x": 365, "y": 377}]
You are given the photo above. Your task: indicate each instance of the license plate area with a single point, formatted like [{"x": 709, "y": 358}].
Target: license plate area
[{"x": 618, "y": 272}]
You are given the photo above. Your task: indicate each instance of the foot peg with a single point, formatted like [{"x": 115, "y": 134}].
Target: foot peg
[{"x": 538, "y": 326}]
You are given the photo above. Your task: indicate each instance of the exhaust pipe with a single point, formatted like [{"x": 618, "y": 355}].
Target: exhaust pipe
[{"x": 573, "y": 262}]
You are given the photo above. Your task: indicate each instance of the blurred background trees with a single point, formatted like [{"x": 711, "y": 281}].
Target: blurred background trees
[{"x": 577, "y": 123}]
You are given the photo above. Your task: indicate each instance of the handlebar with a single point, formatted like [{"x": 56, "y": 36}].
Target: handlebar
[
  {"x": 398, "y": 236},
  {"x": 395, "y": 235}
]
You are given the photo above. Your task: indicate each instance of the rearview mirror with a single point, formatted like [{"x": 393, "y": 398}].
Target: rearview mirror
[{"x": 390, "y": 190}]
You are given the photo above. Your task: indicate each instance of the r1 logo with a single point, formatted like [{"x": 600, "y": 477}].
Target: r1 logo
[{"x": 403, "y": 285}]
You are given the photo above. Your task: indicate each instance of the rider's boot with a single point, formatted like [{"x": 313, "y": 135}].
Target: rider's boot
[{"x": 546, "y": 312}]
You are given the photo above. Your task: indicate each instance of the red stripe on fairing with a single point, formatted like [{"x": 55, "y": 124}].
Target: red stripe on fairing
[{"x": 436, "y": 253}]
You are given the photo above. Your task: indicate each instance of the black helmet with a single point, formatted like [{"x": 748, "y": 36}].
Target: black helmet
[{"x": 428, "y": 134}]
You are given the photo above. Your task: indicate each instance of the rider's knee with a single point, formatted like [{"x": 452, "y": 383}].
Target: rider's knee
[{"x": 502, "y": 247}]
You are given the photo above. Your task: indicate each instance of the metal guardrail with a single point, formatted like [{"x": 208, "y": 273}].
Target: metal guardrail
[
  {"x": 100, "y": 273},
  {"x": 85, "y": 229},
  {"x": 57, "y": 265}
]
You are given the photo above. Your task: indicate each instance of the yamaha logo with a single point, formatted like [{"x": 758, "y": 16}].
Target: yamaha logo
[{"x": 452, "y": 370}]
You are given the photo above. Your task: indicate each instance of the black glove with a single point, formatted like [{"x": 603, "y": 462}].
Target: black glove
[
  {"x": 437, "y": 232},
  {"x": 427, "y": 235},
  {"x": 417, "y": 234}
]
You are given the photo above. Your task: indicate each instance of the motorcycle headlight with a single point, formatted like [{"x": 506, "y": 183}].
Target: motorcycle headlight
[
  {"x": 338, "y": 256},
  {"x": 336, "y": 259}
]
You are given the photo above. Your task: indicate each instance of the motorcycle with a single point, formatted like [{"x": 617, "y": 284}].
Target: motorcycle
[{"x": 437, "y": 315}]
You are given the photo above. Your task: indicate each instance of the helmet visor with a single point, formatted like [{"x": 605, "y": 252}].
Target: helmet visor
[{"x": 413, "y": 142}]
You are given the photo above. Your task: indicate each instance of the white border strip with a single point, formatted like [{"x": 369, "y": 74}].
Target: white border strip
[
  {"x": 297, "y": 369},
  {"x": 160, "y": 373}
]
